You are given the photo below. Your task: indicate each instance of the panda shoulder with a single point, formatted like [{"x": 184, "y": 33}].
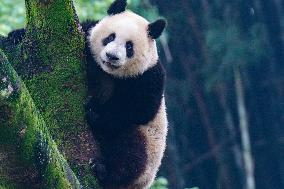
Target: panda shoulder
[
  {"x": 153, "y": 79},
  {"x": 155, "y": 73}
]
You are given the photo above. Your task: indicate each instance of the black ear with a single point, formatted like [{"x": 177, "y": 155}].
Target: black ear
[
  {"x": 118, "y": 6},
  {"x": 156, "y": 28}
]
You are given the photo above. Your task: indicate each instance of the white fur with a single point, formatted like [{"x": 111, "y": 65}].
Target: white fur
[
  {"x": 155, "y": 133},
  {"x": 127, "y": 26}
]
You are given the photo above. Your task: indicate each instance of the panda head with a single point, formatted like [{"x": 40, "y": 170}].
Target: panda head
[{"x": 123, "y": 43}]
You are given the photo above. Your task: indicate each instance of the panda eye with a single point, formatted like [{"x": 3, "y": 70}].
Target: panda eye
[
  {"x": 109, "y": 39},
  {"x": 129, "y": 45},
  {"x": 129, "y": 49}
]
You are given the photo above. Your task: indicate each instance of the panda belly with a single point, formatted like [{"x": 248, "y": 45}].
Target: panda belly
[
  {"x": 133, "y": 157},
  {"x": 155, "y": 133}
]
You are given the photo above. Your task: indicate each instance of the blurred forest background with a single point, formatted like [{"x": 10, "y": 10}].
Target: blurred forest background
[{"x": 224, "y": 62}]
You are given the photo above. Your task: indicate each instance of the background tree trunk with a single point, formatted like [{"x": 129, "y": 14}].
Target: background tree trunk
[{"x": 244, "y": 130}]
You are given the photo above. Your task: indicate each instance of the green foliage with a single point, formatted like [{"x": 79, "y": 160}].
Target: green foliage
[
  {"x": 160, "y": 183},
  {"x": 91, "y": 9},
  {"x": 96, "y": 9},
  {"x": 12, "y": 15},
  {"x": 144, "y": 8}
]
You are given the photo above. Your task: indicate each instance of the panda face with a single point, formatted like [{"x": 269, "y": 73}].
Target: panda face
[
  {"x": 116, "y": 51},
  {"x": 121, "y": 45}
]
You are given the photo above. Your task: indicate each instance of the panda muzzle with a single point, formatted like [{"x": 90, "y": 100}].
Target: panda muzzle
[{"x": 112, "y": 65}]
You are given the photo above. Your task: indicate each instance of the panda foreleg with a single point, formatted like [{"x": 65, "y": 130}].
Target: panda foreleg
[{"x": 91, "y": 115}]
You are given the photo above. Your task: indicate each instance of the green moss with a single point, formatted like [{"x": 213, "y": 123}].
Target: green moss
[
  {"x": 58, "y": 100},
  {"x": 89, "y": 181},
  {"x": 59, "y": 92},
  {"x": 55, "y": 46},
  {"x": 27, "y": 129},
  {"x": 4, "y": 184}
]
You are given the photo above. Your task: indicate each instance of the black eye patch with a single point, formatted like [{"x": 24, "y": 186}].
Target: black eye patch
[
  {"x": 129, "y": 49},
  {"x": 108, "y": 39}
]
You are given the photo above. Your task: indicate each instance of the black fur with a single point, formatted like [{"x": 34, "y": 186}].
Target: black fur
[
  {"x": 129, "y": 49},
  {"x": 156, "y": 28},
  {"x": 114, "y": 110},
  {"x": 88, "y": 24},
  {"x": 109, "y": 39},
  {"x": 132, "y": 101},
  {"x": 17, "y": 36},
  {"x": 117, "y": 7},
  {"x": 124, "y": 158}
]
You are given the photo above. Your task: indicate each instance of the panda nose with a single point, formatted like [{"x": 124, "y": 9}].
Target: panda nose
[{"x": 112, "y": 57}]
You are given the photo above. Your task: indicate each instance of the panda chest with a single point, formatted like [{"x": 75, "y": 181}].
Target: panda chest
[
  {"x": 120, "y": 92},
  {"x": 104, "y": 90},
  {"x": 114, "y": 90}
]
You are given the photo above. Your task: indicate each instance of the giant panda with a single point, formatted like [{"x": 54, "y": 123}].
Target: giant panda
[{"x": 126, "y": 105}]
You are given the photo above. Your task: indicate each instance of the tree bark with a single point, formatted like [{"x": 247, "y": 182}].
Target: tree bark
[{"x": 23, "y": 129}]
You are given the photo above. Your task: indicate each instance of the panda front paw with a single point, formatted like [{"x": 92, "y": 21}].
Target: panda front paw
[{"x": 98, "y": 168}]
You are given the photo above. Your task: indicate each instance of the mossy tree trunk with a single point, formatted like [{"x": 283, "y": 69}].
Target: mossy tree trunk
[
  {"x": 23, "y": 130},
  {"x": 50, "y": 61}
]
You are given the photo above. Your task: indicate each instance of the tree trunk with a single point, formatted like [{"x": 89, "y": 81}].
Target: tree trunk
[
  {"x": 244, "y": 130},
  {"x": 23, "y": 129},
  {"x": 222, "y": 91},
  {"x": 50, "y": 61}
]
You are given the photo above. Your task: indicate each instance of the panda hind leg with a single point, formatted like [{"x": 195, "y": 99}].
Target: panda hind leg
[{"x": 125, "y": 160}]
